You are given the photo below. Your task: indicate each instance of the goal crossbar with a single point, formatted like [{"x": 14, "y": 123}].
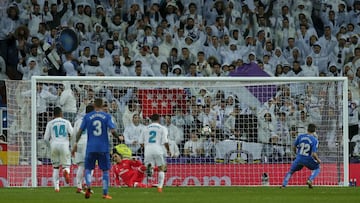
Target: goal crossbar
[{"x": 176, "y": 82}]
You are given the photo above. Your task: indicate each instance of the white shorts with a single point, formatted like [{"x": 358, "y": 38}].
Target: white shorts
[
  {"x": 60, "y": 154},
  {"x": 80, "y": 153},
  {"x": 155, "y": 159}
]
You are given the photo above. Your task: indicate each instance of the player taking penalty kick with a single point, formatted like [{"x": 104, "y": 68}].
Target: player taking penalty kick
[
  {"x": 305, "y": 146},
  {"x": 152, "y": 139},
  {"x": 97, "y": 123}
]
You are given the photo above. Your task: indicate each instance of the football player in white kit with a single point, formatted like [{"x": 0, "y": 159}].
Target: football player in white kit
[
  {"x": 80, "y": 152},
  {"x": 58, "y": 132},
  {"x": 152, "y": 139}
]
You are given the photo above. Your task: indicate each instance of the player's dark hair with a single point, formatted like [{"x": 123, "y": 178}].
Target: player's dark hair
[
  {"x": 98, "y": 102},
  {"x": 311, "y": 128},
  {"x": 155, "y": 117},
  {"x": 57, "y": 111},
  {"x": 89, "y": 108}
]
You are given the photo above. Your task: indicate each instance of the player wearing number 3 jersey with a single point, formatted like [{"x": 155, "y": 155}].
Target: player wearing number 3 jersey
[
  {"x": 97, "y": 123},
  {"x": 152, "y": 139},
  {"x": 58, "y": 132},
  {"x": 305, "y": 146}
]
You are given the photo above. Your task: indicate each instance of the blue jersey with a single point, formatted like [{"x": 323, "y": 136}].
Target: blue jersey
[
  {"x": 306, "y": 144},
  {"x": 97, "y": 125}
]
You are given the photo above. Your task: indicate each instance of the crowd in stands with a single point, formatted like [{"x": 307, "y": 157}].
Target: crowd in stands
[{"x": 202, "y": 38}]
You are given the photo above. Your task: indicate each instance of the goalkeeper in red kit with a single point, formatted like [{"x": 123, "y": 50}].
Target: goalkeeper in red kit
[{"x": 130, "y": 171}]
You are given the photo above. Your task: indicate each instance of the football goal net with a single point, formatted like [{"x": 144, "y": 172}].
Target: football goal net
[{"x": 234, "y": 131}]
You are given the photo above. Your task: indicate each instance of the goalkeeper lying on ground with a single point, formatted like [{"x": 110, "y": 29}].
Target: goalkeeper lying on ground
[{"x": 129, "y": 171}]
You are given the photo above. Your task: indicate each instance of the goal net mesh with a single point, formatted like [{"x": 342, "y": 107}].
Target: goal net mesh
[{"x": 221, "y": 131}]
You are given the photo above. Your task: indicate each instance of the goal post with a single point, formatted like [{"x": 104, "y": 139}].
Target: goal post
[{"x": 241, "y": 147}]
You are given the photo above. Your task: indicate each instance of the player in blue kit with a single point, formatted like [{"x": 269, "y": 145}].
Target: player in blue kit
[
  {"x": 305, "y": 146},
  {"x": 97, "y": 123}
]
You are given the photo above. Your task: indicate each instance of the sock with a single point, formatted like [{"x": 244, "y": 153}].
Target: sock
[
  {"x": 287, "y": 178},
  {"x": 56, "y": 178},
  {"x": 88, "y": 177},
  {"x": 80, "y": 176},
  {"x": 105, "y": 182},
  {"x": 314, "y": 173},
  {"x": 161, "y": 178}
]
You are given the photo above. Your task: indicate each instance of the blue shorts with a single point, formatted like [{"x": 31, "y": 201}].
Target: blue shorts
[
  {"x": 103, "y": 159},
  {"x": 299, "y": 163}
]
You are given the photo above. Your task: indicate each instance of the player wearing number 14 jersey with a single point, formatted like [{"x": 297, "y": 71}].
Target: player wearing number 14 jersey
[
  {"x": 58, "y": 132},
  {"x": 305, "y": 146}
]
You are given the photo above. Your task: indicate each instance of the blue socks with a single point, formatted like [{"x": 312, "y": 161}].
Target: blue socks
[
  {"x": 105, "y": 182},
  {"x": 287, "y": 178},
  {"x": 314, "y": 173},
  {"x": 88, "y": 177}
]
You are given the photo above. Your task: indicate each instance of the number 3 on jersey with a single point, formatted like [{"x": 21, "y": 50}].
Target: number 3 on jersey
[
  {"x": 304, "y": 149},
  {"x": 152, "y": 137},
  {"x": 98, "y": 130}
]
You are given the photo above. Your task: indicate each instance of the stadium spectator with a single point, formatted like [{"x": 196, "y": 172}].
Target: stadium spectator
[
  {"x": 157, "y": 60},
  {"x": 267, "y": 124},
  {"x": 69, "y": 67},
  {"x": 79, "y": 15},
  {"x": 176, "y": 135},
  {"x": 309, "y": 69},
  {"x": 33, "y": 17},
  {"x": 202, "y": 65},
  {"x": 193, "y": 147},
  {"x": 116, "y": 69},
  {"x": 31, "y": 69},
  {"x": 231, "y": 123},
  {"x": 209, "y": 144},
  {"x": 273, "y": 151},
  {"x": 44, "y": 98},
  {"x": 104, "y": 60},
  {"x": 99, "y": 17},
  {"x": 67, "y": 101},
  {"x": 93, "y": 67},
  {"x": 132, "y": 134},
  {"x": 164, "y": 69},
  {"x": 56, "y": 14}
]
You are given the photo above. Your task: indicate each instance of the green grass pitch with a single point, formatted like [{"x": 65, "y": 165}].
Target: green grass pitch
[{"x": 188, "y": 195}]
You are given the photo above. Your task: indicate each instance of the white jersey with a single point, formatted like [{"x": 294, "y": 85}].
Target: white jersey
[
  {"x": 58, "y": 130},
  {"x": 81, "y": 145},
  {"x": 154, "y": 137},
  {"x": 83, "y": 138}
]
